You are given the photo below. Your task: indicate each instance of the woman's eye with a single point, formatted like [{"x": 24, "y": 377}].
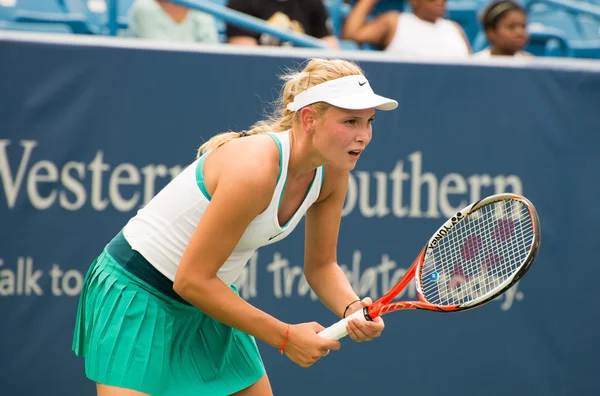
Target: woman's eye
[{"x": 351, "y": 122}]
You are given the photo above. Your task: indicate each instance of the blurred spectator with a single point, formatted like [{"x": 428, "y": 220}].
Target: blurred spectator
[
  {"x": 302, "y": 16},
  {"x": 505, "y": 25},
  {"x": 424, "y": 32},
  {"x": 162, "y": 20}
]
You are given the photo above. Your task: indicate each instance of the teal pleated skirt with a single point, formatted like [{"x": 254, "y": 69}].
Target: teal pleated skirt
[{"x": 134, "y": 337}]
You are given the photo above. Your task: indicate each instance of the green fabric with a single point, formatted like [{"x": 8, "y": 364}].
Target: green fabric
[
  {"x": 148, "y": 20},
  {"x": 120, "y": 250},
  {"x": 134, "y": 337},
  {"x": 200, "y": 176},
  {"x": 278, "y": 142}
]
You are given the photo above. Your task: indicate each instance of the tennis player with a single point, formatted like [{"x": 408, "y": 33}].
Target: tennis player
[{"x": 159, "y": 314}]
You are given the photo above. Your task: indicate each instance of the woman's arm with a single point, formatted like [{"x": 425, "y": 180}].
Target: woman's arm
[
  {"x": 463, "y": 35},
  {"x": 241, "y": 177},
  {"x": 241, "y": 186},
  {"x": 242, "y": 40},
  {"x": 331, "y": 41},
  {"x": 321, "y": 269},
  {"x": 379, "y": 31}
]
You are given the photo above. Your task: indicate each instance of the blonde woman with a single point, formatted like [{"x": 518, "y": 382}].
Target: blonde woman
[{"x": 159, "y": 314}]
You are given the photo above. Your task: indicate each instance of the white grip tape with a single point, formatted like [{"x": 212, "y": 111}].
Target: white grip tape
[{"x": 338, "y": 330}]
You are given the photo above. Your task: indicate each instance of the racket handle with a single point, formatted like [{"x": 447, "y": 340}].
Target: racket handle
[{"x": 338, "y": 330}]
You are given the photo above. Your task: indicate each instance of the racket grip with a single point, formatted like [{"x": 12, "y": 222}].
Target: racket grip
[{"x": 338, "y": 330}]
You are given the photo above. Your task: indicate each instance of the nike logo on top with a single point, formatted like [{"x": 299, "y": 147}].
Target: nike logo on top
[
  {"x": 362, "y": 83},
  {"x": 275, "y": 236}
]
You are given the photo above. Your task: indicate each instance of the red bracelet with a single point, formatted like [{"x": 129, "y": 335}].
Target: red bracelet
[{"x": 287, "y": 333}]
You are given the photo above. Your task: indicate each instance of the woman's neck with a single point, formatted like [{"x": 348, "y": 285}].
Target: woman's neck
[
  {"x": 303, "y": 158},
  {"x": 428, "y": 20},
  {"x": 500, "y": 52},
  {"x": 176, "y": 12}
]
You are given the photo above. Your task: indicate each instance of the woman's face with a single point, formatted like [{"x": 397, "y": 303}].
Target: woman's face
[
  {"x": 341, "y": 135},
  {"x": 429, "y": 10},
  {"x": 510, "y": 35}
]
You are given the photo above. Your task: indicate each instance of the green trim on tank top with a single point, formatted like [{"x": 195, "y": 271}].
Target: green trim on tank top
[
  {"x": 322, "y": 176},
  {"x": 276, "y": 139},
  {"x": 280, "y": 148},
  {"x": 200, "y": 177},
  {"x": 312, "y": 182},
  {"x": 202, "y": 187},
  {"x": 200, "y": 168}
]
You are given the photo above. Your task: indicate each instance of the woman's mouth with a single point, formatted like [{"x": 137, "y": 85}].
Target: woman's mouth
[
  {"x": 355, "y": 154},
  {"x": 519, "y": 41}
]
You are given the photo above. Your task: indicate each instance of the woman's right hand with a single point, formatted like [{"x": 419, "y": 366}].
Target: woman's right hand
[{"x": 304, "y": 346}]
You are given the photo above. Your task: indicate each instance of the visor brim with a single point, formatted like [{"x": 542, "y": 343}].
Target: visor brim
[{"x": 362, "y": 101}]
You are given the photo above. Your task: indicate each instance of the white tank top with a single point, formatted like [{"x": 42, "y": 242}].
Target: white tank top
[
  {"x": 416, "y": 37},
  {"x": 487, "y": 53},
  {"x": 162, "y": 229}
]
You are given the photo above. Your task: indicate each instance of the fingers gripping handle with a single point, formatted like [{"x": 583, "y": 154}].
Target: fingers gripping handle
[{"x": 338, "y": 330}]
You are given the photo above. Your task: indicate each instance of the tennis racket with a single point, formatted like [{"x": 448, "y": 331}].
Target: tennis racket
[{"x": 473, "y": 258}]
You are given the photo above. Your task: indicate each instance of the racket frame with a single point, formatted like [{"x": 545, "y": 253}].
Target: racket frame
[{"x": 385, "y": 305}]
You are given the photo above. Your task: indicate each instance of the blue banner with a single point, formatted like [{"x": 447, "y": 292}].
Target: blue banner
[{"x": 91, "y": 131}]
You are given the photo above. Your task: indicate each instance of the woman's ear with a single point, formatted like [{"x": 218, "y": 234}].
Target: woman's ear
[
  {"x": 490, "y": 34},
  {"x": 308, "y": 118}
]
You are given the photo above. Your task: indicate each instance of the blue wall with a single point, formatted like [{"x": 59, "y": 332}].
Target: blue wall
[{"x": 88, "y": 133}]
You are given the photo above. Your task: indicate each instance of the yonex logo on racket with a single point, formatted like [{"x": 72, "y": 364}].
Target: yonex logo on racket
[{"x": 445, "y": 229}]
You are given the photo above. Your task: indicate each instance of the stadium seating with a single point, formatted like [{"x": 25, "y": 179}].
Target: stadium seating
[
  {"x": 40, "y": 15},
  {"x": 96, "y": 14},
  {"x": 558, "y": 27}
]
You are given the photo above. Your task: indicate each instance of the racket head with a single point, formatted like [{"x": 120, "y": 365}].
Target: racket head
[{"x": 478, "y": 254}]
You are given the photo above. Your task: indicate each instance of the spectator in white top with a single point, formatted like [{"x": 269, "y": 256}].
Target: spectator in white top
[
  {"x": 424, "y": 32},
  {"x": 505, "y": 25},
  {"x": 162, "y": 20}
]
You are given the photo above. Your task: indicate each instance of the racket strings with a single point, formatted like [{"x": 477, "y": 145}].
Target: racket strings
[{"x": 479, "y": 254}]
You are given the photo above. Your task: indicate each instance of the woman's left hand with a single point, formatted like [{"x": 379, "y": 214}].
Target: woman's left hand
[{"x": 360, "y": 330}]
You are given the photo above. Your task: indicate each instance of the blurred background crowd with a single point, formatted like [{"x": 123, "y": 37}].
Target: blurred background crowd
[{"x": 411, "y": 28}]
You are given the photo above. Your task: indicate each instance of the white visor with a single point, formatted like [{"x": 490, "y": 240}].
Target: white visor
[{"x": 351, "y": 93}]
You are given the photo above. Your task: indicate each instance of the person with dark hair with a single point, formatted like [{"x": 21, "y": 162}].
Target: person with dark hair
[
  {"x": 505, "y": 25},
  {"x": 301, "y": 16},
  {"x": 424, "y": 32}
]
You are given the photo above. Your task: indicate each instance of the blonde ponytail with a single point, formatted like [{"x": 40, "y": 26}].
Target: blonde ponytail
[{"x": 315, "y": 72}]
